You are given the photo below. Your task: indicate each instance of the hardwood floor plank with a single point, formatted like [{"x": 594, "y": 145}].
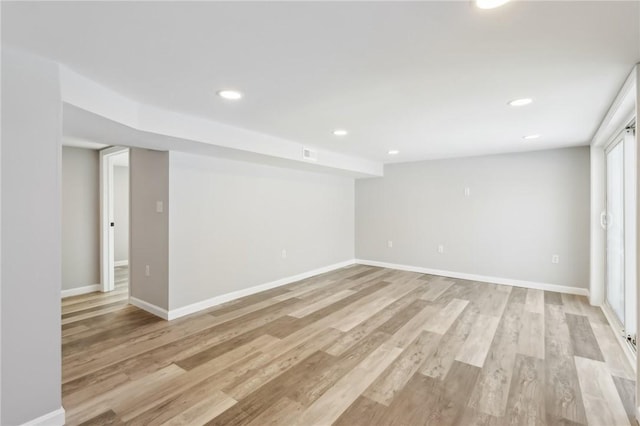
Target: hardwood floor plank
[
  {"x": 552, "y": 298},
  {"x": 327, "y": 374},
  {"x": 518, "y": 295},
  {"x": 437, "y": 365},
  {"x": 526, "y": 402},
  {"x": 283, "y": 412},
  {"x": 203, "y": 411},
  {"x": 112, "y": 399},
  {"x": 627, "y": 392},
  {"x": 108, "y": 418},
  {"x": 400, "y": 318},
  {"x": 563, "y": 400},
  {"x": 309, "y": 309},
  {"x": 492, "y": 389},
  {"x": 388, "y": 320},
  {"x": 363, "y": 412},
  {"x": 326, "y": 409},
  {"x": 412, "y": 328},
  {"x": 491, "y": 299},
  {"x": 571, "y": 304},
  {"x": 602, "y": 402},
  {"x": 531, "y": 338},
  {"x": 363, "y": 312},
  {"x": 534, "y": 301},
  {"x": 394, "y": 378},
  {"x": 145, "y": 401},
  {"x": 428, "y": 401},
  {"x": 436, "y": 287},
  {"x": 252, "y": 380},
  {"x": 476, "y": 346},
  {"x": 445, "y": 317},
  {"x": 584, "y": 341}
]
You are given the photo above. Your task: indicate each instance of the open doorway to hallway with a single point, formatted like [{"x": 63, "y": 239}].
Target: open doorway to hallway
[
  {"x": 95, "y": 220},
  {"x": 118, "y": 220}
]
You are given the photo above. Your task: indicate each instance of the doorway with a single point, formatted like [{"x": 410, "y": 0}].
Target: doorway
[{"x": 114, "y": 219}]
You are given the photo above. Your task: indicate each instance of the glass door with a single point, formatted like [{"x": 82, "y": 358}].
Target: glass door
[{"x": 613, "y": 221}]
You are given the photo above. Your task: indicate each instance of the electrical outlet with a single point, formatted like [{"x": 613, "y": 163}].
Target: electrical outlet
[
  {"x": 159, "y": 206},
  {"x": 284, "y": 254},
  {"x": 440, "y": 248},
  {"x": 390, "y": 244},
  {"x": 467, "y": 191},
  {"x": 147, "y": 271},
  {"x": 555, "y": 258}
]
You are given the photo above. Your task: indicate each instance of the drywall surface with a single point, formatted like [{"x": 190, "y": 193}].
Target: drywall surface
[
  {"x": 521, "y": 210},
  {"x": 230, "y": 222},
  {"x": 80, "y": 218},
  {"x": 149, "y": 186},
  {"x": 121, "y": 213},
  {"x": 31, "y": 238}
]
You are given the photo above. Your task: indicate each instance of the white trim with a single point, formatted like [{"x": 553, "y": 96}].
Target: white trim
[
  {"x": 119, "y": 263},
  {"x": 54, "y": 418},
  {"x": 481, "y": 278},
  {"x": 638, "y": 414},
  {"x": 80, "y": 290},
  {"x": 621, "y": 112},
  {"x": 208, "y": 303},
  {"x": 146, "y": 306}
]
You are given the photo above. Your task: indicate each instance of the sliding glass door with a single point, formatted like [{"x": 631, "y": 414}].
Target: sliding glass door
[
  {"x": 613, "y": 221},
  {"x": 619, "y": 223}
]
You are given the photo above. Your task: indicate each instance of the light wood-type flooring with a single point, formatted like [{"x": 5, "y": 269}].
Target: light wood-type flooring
[{"x": 356, "y": 346}]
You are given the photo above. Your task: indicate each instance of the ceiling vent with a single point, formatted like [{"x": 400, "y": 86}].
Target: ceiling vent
[{"x": 309, "y": 154}]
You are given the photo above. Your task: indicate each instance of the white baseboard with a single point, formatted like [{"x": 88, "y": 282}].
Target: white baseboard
[
  {"x": 54, "y": 418},
  {"x": 119, "y": 263},
  {"x": 481, "y": 278},
  {"x": 208, "y": 303},
  {"x": 146, "y": 306},
  {"x": 80, "y": 290}
]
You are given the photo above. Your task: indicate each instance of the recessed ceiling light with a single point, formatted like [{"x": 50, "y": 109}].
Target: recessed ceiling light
[
  {"x": 340, "y": 132},
  {"x": 490, "y": 4},
  {"x": 393, "y": 152},
  {"x": 232, "y": 95},
  {"x": 531, "y": 137},
  {"x": 521, "y": 102}
]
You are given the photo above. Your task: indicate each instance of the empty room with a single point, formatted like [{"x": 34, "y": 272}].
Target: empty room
[{"x": 319, "y": 213}]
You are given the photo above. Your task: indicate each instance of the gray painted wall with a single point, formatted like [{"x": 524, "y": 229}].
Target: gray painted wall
[
  {"x": 522, "y": 209},
  {"x": 149, "y": 183},
  {"x": 121, "y": 212},
  {"x": 31, "y": 238},
  {"x": 230, "y": 221},
  {"x": 80, "y": 218}
]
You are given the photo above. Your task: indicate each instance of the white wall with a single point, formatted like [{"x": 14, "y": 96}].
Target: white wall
[
  {"x": 31, "y": 239},
  {"x": 522, "y": 209},
  {"x": 149, "y": 184},
  {"x": 121, "y": 213},
  {"x": 230, "y": 221},
  {"x": 80, "y": 218}
]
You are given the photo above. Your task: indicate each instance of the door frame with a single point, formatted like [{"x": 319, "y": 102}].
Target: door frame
[{"x": 107, "y": 247}]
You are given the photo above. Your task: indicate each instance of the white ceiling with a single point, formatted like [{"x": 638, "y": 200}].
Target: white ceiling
[{"x": 431, "y": 79}]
